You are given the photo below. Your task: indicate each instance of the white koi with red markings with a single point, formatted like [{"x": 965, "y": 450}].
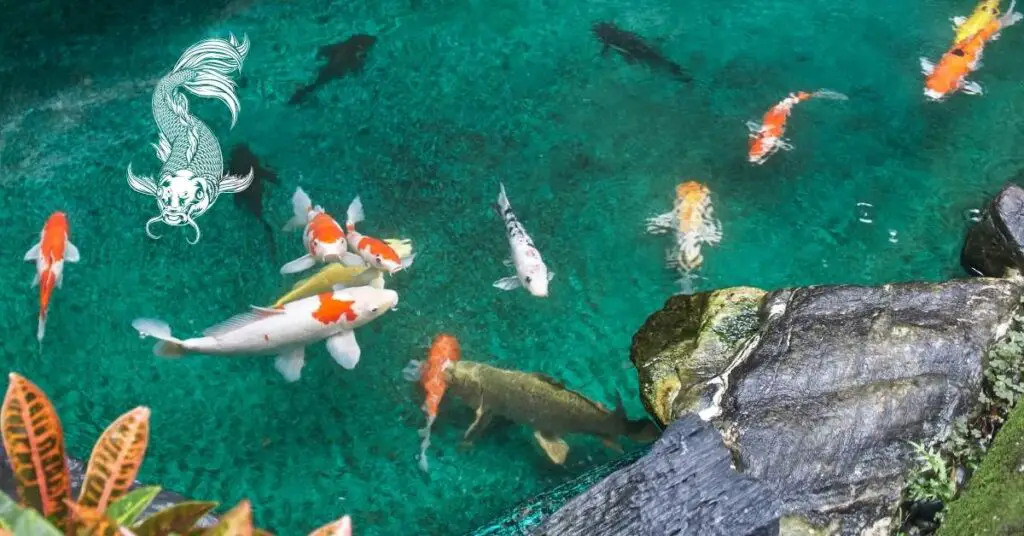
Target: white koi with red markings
[{"x": 284, "y": 331}]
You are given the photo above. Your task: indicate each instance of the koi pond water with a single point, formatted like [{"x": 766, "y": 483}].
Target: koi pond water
[{"x": 423, "y": 118}]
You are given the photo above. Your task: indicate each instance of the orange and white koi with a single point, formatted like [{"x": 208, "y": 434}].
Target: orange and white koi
[
  {"x": 323, "y": 236},
  {"x": 693, "y": 221},
  {"x": 766, "y": 137},
  {"x": 53, "y": 248},
  {"x": 432, "y": 375},
  {"x": 950, "y": 74},
  {"x": 284, "y": 331},
  {"x": 377, "y": 253}
]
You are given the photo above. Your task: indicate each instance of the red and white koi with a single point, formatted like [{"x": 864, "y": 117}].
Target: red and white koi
[
  {"x": 323, "y": 237},
  {"x": 377, "y": 253},
  {"x": 284, "y": 331},
  {"x": 766, "y": 137},
  {"x": 693, "y": 221},
  {"x": 531, "y": 272},
  {"x": 433, "y": 377},
  {"x": 50, "y": 252}
]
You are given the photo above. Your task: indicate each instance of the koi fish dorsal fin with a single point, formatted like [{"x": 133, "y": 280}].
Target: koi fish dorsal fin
[
  {"x": 235, "y": 322},
  {"x": 549, "y": 380}
]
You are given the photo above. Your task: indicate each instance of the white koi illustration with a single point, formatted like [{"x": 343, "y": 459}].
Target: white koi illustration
[{"x": 192, "y": 175}]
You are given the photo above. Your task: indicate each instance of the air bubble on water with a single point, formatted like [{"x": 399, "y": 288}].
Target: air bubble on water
[
  {"x": 892, "y": 236},
  {"x": 865, "y": 212},
  {"x": 972, "y": 215}
]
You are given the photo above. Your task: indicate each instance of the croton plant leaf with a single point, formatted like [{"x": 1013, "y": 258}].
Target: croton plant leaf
[
  {"x": 128, "y": 508},
  {"x": 116, "y": 459},
  {"x": 179, "y": 518},
  {"x": 34, "y": 441},
  {"x": 237, "y": 522},
  {"x": 21, "y": 520}
]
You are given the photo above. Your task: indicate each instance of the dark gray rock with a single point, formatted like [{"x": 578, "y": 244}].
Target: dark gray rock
[
  {"x": 820, "y": 400},
  {"x": 996, "y": 243},
  {"x": 684, "y": 485},
  {"x": 77, "y": 470}
]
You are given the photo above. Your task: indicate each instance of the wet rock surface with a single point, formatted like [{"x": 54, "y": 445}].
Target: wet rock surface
[
  {"x": 996, "y": 243},
  {"x": 684, "y": 485},
  {"x": 77, "y": 471},
  {"x": 820, "y": 400}
]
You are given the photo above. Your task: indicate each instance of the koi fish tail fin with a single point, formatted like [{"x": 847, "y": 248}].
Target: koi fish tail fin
[
  {"x": 425, "y": 443},
  {"x": 203, "y": 70},
  {"x": 1011, "y": 17},
  {"x": 828, "y": 94},
  {"x": 168, "y": 346},
  {"x": 503, "y": 203},
  {"x": 413, "y": 371},
  {"x": 354, "y": 214},
  {"x": 301, "y": 205},
  {"x": 643, "y": 431},
  {"x": 41, "y": 327}
]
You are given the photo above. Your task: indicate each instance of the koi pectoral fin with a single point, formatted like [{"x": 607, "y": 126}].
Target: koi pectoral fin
[
  {"x": 753, "y": 126},
  {"x": 344, "y": 349},
  {"x": 612, "y": 444},
  {"x": 927, "y": 67},
  {"x": 71, "y": 253},
  {"x": 660, "y": 224},
  {"x": 290, "y": 364},
  {"x": 483, "y": 419},
  {"x": 784, "y": 145},
  {"x": 507, "y": 283},
  {"x": 972, "y": 88},
  {"x": 555, "y": 447},
  {"x": 957, "y": 21},
  {"x": 301, "y": 264},
  {"x": 33, "y": 252}
]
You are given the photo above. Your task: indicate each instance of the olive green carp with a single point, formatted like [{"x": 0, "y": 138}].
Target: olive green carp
[{"x": 542, "y": 403}]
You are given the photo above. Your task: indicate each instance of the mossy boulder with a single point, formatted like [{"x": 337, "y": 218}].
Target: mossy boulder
[
  {"x": 819, "y": 390},
  {"x": 993, "y": 503},
  {"x": 689, "y": 342}
]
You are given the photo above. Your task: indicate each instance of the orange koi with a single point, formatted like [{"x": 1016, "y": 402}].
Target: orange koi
[
  {"x": 377, "y": 253},
  {"x": 766, "y": 137},
  {"x": 950, "y": 74},
  {"x": 53, "y": 248},
  {"x": 693, "y": 221},
  {"x": 323, "y": 237},
  {"x": 432, "y": 376}
]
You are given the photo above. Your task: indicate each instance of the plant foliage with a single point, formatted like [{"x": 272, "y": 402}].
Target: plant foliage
[{"x": 34, "y": 441}]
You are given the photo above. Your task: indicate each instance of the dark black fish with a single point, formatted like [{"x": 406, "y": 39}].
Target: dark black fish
[
  {"x": 344, "y": 58},
  {"x": 251, "y": 199},
  {"x": 633, "y": 49}
]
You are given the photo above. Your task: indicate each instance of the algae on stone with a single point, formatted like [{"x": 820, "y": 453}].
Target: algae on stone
[
  {"x": 689, "y": 341},
  {"x": 993, "y": 503}
]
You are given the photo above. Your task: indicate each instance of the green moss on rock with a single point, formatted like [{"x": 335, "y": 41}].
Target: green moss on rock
[
  {"x": 993, "y": 503},
  {"x": 689, "y": 341}
]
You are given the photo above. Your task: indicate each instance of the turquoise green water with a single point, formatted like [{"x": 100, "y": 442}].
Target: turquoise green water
[{"x": 455, "y": 97}]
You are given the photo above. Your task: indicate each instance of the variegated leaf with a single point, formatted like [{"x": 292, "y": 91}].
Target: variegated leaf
[
  {"x": 341, "y": 527},
  {"x": 128, "y": 508},
  {"x": 87, "y": 521},
  {"x": 116, "y": 459},
  {"x": 237, "y": 522},
  {"x": 179, "y": 518},
  {"x": 34, "y": 441}
]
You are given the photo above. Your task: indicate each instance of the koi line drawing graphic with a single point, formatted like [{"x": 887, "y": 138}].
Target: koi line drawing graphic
[{"x": 192, "y": 175}]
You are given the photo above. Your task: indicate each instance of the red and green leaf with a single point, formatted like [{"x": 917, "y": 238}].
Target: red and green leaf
[
  {"x": 116, "y": 459},
  {"x": 87, "y": 521},
  {"x": 179, "y": 518},
  {"x": 340, "y": 527},
  {"x": 34, "y": 441},
  {"x": 237, "y": 522}
]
